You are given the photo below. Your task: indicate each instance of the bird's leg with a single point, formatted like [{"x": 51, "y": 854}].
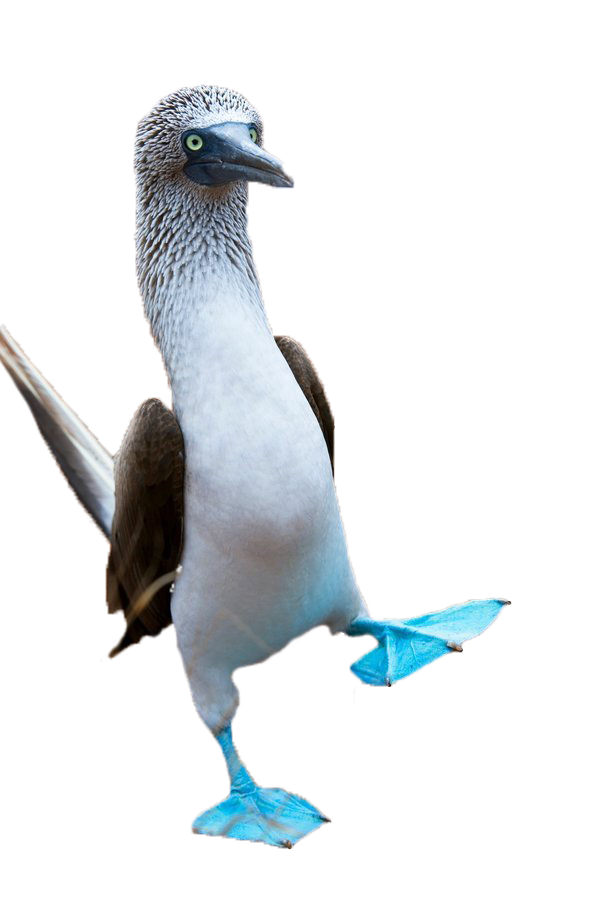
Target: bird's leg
[
  {"x": 406, "y": 645},
  {"x": 239, "y": 777},
  {"x": 251, "y": 812}
]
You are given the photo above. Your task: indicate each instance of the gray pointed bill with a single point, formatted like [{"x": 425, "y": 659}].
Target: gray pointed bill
[{"x": 228, "y": 154}]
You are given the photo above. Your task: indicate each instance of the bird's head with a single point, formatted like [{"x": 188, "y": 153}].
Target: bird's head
[{"x": 208, "y": 137}]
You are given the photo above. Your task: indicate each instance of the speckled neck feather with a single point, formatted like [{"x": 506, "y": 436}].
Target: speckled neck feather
[{"x": 191, "y": 240}]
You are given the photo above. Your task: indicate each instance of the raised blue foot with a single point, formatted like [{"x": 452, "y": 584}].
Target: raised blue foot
[
  {"x": 406, "y": 645},
  {"x": 272, "y": 816}
]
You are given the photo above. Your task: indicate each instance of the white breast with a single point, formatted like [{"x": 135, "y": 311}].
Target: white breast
[{"x": 265, "y": 556}]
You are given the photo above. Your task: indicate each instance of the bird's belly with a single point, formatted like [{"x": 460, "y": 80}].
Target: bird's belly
[
  {"x": 232, "y": 610},
  {"x": 265, "y": 557}
]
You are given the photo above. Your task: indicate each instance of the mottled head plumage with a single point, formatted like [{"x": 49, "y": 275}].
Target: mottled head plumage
[
  {"x": 190, "y": 236},
  {"x": 158, "y": 147}
]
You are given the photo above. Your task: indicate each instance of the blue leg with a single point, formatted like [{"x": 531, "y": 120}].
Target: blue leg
[
  {"x": 406, "y": 645},
  {"x": 250, "y": 812}
]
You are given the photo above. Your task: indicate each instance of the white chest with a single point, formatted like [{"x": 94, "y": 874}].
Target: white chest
[
  {"x": 264, "y": 556},
  {"x": 255, "y": 455}
]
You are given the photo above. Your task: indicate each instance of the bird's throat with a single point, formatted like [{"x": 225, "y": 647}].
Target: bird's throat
[{"x": 193, "y": 256}]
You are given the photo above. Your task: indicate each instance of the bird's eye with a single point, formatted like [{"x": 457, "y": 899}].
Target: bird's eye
[
  {"x": 193, "y": 142},
  {"x": 253, "y": 134}
]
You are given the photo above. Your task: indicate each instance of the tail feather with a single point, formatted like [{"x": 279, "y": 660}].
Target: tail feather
[{"x": 86, "y": 464}]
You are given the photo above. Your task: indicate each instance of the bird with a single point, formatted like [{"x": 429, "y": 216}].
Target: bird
[{"x": 222, "y": 513}]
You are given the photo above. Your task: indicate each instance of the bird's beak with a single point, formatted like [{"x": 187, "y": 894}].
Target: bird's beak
[{"x": 228, "y": 154}]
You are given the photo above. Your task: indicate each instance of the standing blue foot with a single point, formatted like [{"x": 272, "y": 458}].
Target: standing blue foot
[
  {"x": 251, "y": 812},
  {"x": 406, "y": 645}
]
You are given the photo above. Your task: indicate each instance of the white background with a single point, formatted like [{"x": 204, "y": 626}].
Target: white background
[{"x": 438, "y": 258}]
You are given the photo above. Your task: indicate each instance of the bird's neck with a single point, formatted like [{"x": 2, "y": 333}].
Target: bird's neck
[{"x": 193, "y": 255}]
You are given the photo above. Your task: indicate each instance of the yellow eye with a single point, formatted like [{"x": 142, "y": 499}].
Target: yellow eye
[
  {"x": 253, "y": 134},
  {"x": 194, "y": 142}
]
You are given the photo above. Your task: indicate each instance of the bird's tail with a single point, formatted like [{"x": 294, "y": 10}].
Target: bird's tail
[{"x": 86, "y": 464}]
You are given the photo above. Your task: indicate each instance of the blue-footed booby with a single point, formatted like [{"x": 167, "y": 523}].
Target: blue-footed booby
[{"x": 222, "y": 514}]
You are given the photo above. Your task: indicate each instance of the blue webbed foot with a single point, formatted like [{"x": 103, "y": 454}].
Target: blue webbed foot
[
  {"x": 406, "y": 645},
  {"x": 271, "y": 816}
]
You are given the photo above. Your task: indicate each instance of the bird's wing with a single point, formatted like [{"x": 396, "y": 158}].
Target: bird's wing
[
  {"x": 85, "y": 462},
  {"x": 308, "y": 380},
  {"x": 147, "y": 533}
]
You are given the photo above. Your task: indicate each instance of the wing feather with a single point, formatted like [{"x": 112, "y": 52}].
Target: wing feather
[
  {"x": 147, "y": 534},
  {"x": 306, "y": 376},
  {"x": 86, "y": 464}
]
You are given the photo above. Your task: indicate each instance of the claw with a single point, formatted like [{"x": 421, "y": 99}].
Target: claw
[
  {"x": 454, "y": 646},
  {"x": 286, "y": 843}
]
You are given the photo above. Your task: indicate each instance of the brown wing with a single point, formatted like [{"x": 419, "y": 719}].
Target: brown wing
[
  {"x": 306, "y": 377},
  {"x": 147, "y": 531}
]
